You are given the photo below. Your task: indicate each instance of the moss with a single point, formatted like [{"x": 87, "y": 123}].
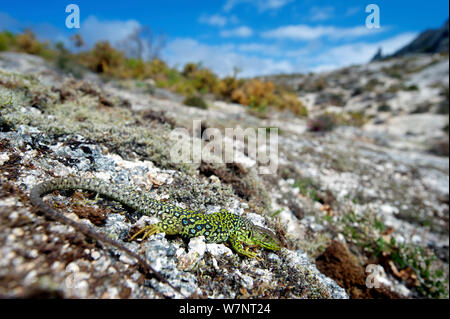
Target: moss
[{"x": 116, "y": 127}]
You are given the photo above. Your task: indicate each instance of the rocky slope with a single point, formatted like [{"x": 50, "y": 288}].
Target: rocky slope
[
  {"x": 376, "y": 193},
  {"x": 401, "y": 102}
]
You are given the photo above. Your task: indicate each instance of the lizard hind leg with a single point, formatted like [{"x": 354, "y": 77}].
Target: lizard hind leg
[{"x": 149, "y": 231}]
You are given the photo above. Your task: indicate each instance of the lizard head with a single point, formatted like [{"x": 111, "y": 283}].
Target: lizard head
[{"x": 262, "y": 237}]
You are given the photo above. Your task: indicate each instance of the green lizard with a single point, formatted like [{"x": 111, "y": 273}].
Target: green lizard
[{"x": 218, "y": 227}]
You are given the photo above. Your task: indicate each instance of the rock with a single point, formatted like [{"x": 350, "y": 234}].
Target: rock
[{"x": 429, "y": 41}]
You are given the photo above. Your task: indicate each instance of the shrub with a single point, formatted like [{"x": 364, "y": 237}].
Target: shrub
[
  {"x": 372, "y": 84},
  {"x": 66, "y": 62},
  {"x": 412, "y": 87},
  {"x": 6, "y": 41},
  {"x": 195, "y": 101},
  {"x": 203, "y": 79},
  {"x": 353, "y": 119},
  {"x": 357, "y": 91},
  {"x": 384, "y": 108},
  {"x": 134, "y": 68},
  {"x": 103, "y": 59},
  {"x": 322, "y": 123},
  {"x": 318, "y": 84},
  {"x": 290, "y": 101},
  {"x": 190, "y": 69},
  {"x": 157, "y": 69},
  {"x": 26, "y": 42},
  {"x": 240, "y": 97},
  {"x": 227, "y": 85},
  {"x": 254, "y": 93},
  {"x": 192, "y": 82}
]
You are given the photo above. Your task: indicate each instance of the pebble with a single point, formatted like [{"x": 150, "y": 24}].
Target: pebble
[
  {"x": 95, "y": 255},
  {"x": 125, "y": 259}
]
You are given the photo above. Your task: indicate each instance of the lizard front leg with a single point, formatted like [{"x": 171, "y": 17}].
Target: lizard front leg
[
  {"x": 239, "y": 248},
  {"x": 149, "y": 231}
]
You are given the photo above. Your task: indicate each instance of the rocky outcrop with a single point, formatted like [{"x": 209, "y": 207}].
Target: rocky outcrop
[{"x": 429, "y": 41}]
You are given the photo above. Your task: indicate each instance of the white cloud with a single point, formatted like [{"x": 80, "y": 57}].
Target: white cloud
[
  {"x": 240, "y": 32},
  {"x": 221, "y": 58},
  {"x": 260, "y": 48},
  {"x": 352, "y": 11},
  {"x": 93, "y": 30},
  {"x": 262, "y": 59},
  {"x": 271, "y": 4},
  {"x": 217, "y": 20},
  {"x": 321, "y": 13},
  {"x": 262, "y": 5},
  {"x": 306, "y": 32}
]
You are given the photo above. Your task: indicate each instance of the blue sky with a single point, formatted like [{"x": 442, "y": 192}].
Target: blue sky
[{"x": 259, "y": 37}]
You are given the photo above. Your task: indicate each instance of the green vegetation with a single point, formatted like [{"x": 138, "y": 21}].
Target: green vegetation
[
  {"x": 384, "y": 108},
  {"x": 307, "y": 188},
  {"x": 372, "y": 84},
  {"x": 329, "y": 120},
  {"x": 322, "y": 123},
  {"x": 411, "y": 263},
  {"x": 195, "y": 101},
  {"x": 193, "y": 81},
  {"x": 25, "y": 42},
  {"x": 277, "y": 212}
]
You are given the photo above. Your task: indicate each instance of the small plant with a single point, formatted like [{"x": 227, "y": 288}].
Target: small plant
[
  {"x": 6, "y": 40},
  {"x": 290, "y": 101},
  {"x": 384, "y": 108},
  {"x": 195, "y": 101},
  {"x": 254, "y": 93},
  {"x": 27, "y": 42},
  {"x": 273, "y": 127},
  {"x": 277, "y": 212},
  {"x": 227, "y": 86},
  {"x": 104, "y": 59},
  {"x": 412, "y": 87},
  {"x": 322, "y": 123},
  {"x": 354, "y": 119},
  {"x": 372, "y": 84},
  {"x": 408, "y": 262},
  {"x": 307, "y": 188}
]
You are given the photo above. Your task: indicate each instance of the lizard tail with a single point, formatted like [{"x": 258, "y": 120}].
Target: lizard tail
[{"x": 87, "y": 184}]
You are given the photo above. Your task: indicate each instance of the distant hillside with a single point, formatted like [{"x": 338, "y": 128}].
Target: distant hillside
[{"x": 429, "y": 41}]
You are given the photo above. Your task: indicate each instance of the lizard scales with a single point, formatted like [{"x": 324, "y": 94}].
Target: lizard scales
[{"x": 222, "y": 226}]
